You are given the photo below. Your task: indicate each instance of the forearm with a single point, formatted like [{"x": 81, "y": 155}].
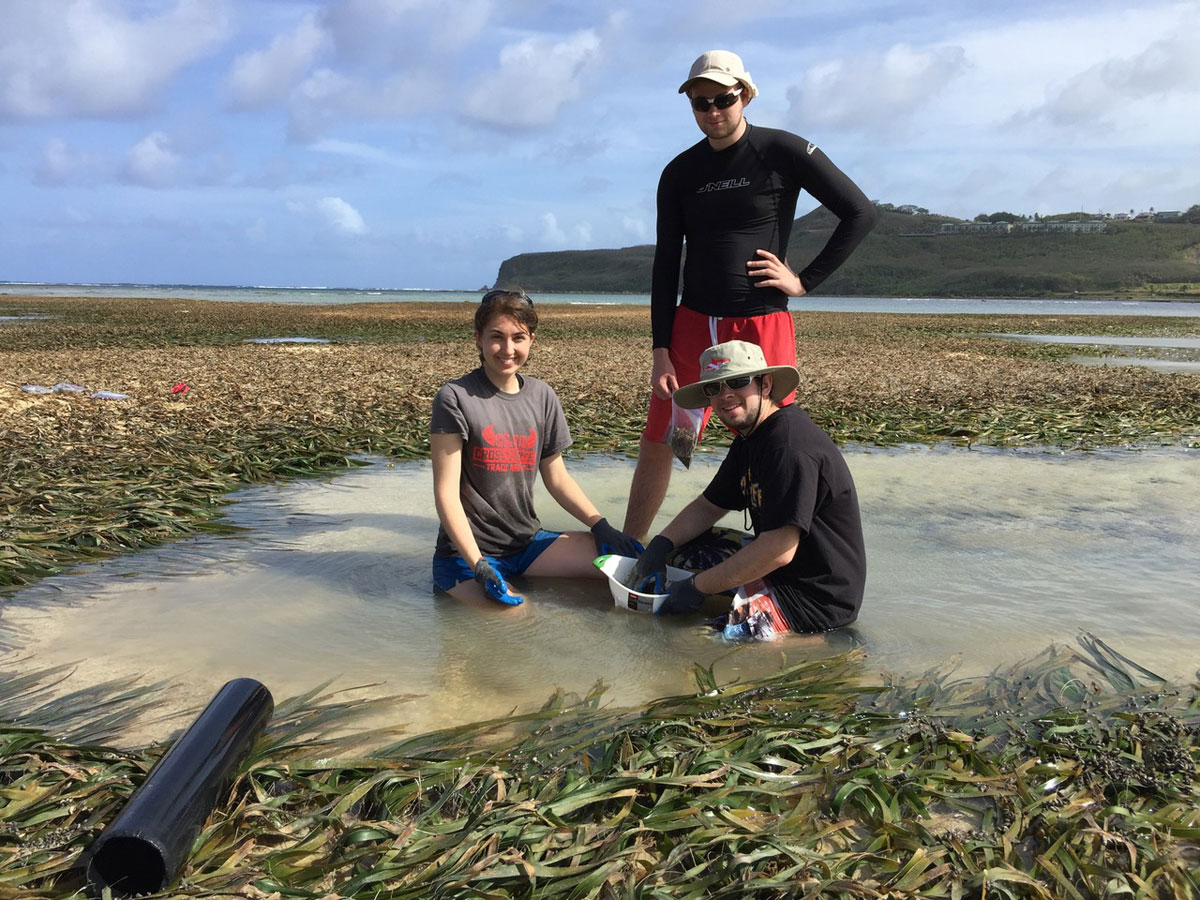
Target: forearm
[
  {"x": 458, "y": 528},
  {"x": 668, "y": 253},
  {"x": 845, "y": 238},
  {"x": 695, "y": 518},
  {"x": 856, "y": 217},
  {"x": 446, "y": 456},
  {"x": 568, "y": 494},
  {"x": 760, "y": 557},
  {"x": 664, "y": 296}
]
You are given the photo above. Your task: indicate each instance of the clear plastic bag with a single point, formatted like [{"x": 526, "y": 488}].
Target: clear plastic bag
[{"x": 684, "y": 432}]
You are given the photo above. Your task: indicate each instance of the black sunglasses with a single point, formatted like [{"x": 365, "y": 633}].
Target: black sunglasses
[
  {"x": 492, "y": 296},
  {"x": 712, "y": 388},
  {"x": 722, "y": 101}
]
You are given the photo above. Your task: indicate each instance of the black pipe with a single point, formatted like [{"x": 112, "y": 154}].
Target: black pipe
[{"x": 144, "y": 848}]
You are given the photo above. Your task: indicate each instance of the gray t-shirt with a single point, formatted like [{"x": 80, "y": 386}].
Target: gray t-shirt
[{"x": 505, "y": 438}]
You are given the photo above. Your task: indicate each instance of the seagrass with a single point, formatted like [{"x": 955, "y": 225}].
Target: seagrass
[
  {"x": 1069, "y": 775},
  {"x": 1072, "y": 774},
  {"x": 84, "y": 478}
]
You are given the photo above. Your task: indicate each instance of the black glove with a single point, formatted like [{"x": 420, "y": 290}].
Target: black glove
[
  {"x": 649, "y": 574},
  {"x": 682, "y": 597},
  {"x": 609, "y": 540},
  {"x": 494, "y": 585}
]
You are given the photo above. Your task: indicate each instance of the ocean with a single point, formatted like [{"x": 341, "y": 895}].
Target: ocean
[{"x": 818, "y": 302}]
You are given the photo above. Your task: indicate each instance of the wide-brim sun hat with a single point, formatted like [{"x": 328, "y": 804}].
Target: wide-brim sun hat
[
  {"x": 734, "y": 359},
  {"x": 723, "y": 67}
]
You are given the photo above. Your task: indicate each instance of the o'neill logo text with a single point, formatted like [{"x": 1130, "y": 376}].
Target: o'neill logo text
[
  {"x": 723, "y": 185},
  {"x": 506, "y": 452}
]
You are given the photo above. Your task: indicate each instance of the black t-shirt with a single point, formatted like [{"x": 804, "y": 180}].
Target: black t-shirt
[
  {"x": 789, "y": 472},
  {"x": 729, "y": 203}
]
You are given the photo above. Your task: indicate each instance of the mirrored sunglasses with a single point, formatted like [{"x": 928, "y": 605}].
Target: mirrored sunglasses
[
  {"x": 721, "y": 101},
  {"x": 734, "y": 384},
  {"x": 493, "y": 296}
]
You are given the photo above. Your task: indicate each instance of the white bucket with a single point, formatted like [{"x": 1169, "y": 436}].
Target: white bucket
[{"x": 618, "y": 569}]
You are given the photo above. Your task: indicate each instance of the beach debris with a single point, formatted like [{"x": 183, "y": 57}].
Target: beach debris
[
  {"x": 63, "y": 387},
  {"x": 287, "y": 340},
  {"x": 66, "y": 387}
]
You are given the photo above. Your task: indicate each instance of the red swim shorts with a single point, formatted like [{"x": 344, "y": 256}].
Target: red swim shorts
[{"x": 694, "y": 332}]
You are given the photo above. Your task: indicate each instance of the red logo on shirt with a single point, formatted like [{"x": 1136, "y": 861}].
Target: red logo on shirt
[{"x": 506, "y": 452}]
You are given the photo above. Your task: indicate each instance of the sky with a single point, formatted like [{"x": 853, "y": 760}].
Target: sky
[{"x": 418, "y": 143}]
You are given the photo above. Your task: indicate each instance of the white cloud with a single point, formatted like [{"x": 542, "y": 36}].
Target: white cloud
[
  {"x": 62, "y": 164},
  {"x": 874, "y": 92},
  {"x": 637, "y": 228},
  {"x": 341, "y": 215},
  {"x": 379, "y": 60},
  {"x": 152, "y": 162},
  {"x": 535, "y": 78},
  {"x": 404, "y": 33},
  {"x": 1165, "y": 67},
  {"x": 329, "y": 96},
  {"x": 264, "y": 77},
  {"x": 578, "y": 236},
  {"x": 551, "y": 233},
  {"x": 87, "y": 58},
  {"x": 360, "y": 151}
]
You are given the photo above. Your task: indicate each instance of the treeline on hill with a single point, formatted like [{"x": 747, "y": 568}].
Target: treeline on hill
[{"x": 906, "y": 256}]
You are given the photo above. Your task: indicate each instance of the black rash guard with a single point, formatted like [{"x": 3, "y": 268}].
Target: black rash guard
[{"x": 728, "y": 204}]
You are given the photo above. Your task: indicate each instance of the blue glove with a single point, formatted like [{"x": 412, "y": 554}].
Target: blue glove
[
  {"x": 609, "y": 540},
  {"x": 494, "y": 585},
  {"x": 682, "y": 597},
  {"x": 649, "y": 575}
]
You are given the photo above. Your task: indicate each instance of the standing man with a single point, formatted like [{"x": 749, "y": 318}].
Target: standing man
[
  {"x": 806, "y": 567},
  {"x": 733, "y": 198}
]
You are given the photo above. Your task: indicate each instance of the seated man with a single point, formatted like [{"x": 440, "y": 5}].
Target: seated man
[{"x": 805, "y": 568}]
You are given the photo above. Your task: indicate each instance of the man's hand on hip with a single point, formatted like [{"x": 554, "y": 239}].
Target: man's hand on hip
[{"x": 774, "y": 273}]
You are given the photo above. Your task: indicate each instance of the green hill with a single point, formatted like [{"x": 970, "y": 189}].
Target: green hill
[{"x": 907, "y": 256}]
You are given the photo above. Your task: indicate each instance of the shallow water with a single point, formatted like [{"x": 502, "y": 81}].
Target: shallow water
[
  {"x": 1179, "y": 354},
  {"x": 820, "y": 302},
  {"x": 1178, "y": 366},
  {"x": 987, "y": 554},
  {"x": 1180, "y": 343}
]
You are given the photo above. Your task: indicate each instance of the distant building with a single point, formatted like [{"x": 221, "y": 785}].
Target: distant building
[
  {"x": 975, "y": 228},
  {"x": 1095, "y": 226},
  {"x": 1166, "y": 215}
]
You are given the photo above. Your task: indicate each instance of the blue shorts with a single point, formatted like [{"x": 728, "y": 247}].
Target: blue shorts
[{"x": 449, "y": 571}]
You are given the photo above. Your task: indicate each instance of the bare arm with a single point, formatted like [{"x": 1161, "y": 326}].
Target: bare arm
[
  {"x": 697, "y": 516},
  {"x": 446, "y": 453},
  {"x": 566, "y": 492},
  {"x": 760, "y": 557}
]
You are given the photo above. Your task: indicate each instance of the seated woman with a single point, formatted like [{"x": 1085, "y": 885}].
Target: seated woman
[{"x": 492, "y": 431}]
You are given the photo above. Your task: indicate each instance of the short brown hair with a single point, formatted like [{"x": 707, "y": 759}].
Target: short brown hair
[{"x": 514, "y": 303}]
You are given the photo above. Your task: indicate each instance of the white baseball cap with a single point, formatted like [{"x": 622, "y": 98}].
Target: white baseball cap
[{"x": 723, "y": 67}]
